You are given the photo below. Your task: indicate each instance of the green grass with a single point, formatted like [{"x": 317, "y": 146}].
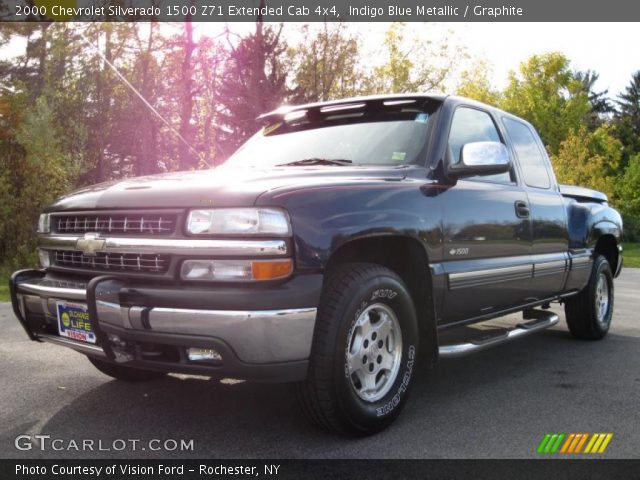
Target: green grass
[
  {"x": 4, "y": 284},
  {"x": 631, "y": 253}
]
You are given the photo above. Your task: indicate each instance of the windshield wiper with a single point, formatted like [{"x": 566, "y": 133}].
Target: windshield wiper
[{"x": 316, "y": 161}]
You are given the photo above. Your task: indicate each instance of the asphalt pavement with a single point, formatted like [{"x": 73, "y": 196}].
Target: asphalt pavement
[{"x": 495, "y": 404}]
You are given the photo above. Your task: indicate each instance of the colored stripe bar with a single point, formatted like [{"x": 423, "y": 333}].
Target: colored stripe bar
[
  {"x": 581, "y": 443},
  {"x": 596, "y": 445},
  {"x": 543, "y": 443},
  {"x": 604, "y": 445},
  {"x": 550, "y": 443},
  {"x": 591, "y": 442},
  {"x": 556, "y": 445},
  {"x": 574, "y": 444},
  {"x": 567, "y": 443}
]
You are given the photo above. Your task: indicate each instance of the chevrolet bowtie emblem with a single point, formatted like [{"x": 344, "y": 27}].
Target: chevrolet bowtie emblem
[{"x": 90, "y": 244}]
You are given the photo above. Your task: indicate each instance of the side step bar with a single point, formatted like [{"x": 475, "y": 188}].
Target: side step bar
[{"x": 538, "y": 320}]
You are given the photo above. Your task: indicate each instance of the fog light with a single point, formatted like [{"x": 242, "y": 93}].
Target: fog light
[
  {"x": 116, "y": 340},
  {"x": 203, "y": 355}
]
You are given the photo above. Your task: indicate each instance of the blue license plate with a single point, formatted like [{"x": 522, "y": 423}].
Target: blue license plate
[{"x": 73, "y": 322}]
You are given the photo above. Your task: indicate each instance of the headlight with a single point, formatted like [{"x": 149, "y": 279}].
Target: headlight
[
  {"x": 236, "y": 270},
  {"x": 44, "y": 223},
  {"x": 239, "y": 221}
]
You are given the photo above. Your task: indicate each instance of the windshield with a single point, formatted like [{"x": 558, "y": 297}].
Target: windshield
[{"x": 397, "y": 138}]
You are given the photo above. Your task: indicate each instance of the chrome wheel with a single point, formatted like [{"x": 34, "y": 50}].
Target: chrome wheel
[
  {"x": 602, "y": 298},
  {"x": 374, "y": 352}
]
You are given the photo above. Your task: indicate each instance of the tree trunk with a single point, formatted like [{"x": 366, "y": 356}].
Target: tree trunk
[{"x": 187, "y": 159}]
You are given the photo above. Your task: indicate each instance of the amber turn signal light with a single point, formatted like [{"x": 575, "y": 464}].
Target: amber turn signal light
[{"x": 271, "y": 269}]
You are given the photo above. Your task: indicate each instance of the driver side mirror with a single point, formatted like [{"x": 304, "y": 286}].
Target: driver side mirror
[{"x": 480, "y": 158}]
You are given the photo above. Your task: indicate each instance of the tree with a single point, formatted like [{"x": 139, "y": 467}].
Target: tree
[
  {"x": 254, "y": 81},
  {"x": 186, "y": 130},
  {"x": 589, "y": 159},
  {"x": 546, "y": 93},
  {"x": 325, "y": 65},
  {"x": 629, "y": 196},
  {"x": 417, "y": 65},
  {"x": 599, "y": 101},
  {"x": 627, "y": 118},
  {"x": 475, "y": 84}
]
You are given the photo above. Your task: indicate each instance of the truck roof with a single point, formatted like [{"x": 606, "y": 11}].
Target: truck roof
[{"x": 388, "y": 99}]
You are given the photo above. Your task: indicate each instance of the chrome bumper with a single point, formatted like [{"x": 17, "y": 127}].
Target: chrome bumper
[{"x": 255, "y": 336}]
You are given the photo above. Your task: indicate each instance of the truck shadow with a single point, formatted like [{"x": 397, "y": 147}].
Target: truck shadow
[{"x": 522, "y": 383}]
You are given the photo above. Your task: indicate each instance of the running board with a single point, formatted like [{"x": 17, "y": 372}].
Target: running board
[{"x": 539, "y": 320}]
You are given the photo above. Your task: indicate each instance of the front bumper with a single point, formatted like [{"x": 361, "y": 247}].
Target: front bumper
[{"x": 152, "y": 326}]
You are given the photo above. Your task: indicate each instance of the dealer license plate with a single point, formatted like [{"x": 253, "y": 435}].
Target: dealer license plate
[{"x": 73, "y": 322}]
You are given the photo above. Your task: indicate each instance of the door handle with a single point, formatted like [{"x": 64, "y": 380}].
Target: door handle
[{"x": 522, "y": 209}]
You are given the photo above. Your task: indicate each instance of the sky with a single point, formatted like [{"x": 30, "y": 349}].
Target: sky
[{"x": 608, "y": 48}]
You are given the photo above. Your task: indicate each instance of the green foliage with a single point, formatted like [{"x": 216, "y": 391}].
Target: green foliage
[
  {"x": 546, "y": 93},
  {"x": 629, "y": 195},
  {"x": 32, "y": 181},
  {"x": 627, "y": 118},
  {"x": 599, "y": 102},
  {"x": 474, "y": 83},
  {"x": 326, "y": 66},
  {"x": 589, "y": 159},
  {"x": 418, "y": 64}
]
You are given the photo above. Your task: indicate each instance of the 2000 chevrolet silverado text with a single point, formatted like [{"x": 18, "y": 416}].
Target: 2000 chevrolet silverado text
[{"x": 332, "y": 246}]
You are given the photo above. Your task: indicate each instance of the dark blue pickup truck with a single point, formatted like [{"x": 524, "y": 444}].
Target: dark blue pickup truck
[{"x": 338, "y": 242}]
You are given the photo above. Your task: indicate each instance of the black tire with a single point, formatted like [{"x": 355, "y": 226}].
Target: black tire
[
  {"x": 585, "y": 319},
  {"x": 128, "y": 374},
  {"x": 356, "y": 293}
]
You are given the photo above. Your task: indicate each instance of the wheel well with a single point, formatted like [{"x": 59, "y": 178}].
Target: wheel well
[
  {"x": 608, "y": 247},
  {"x": 407, "y": 258}
]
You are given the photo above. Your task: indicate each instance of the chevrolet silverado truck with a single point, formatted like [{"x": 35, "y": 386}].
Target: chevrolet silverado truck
[{"x": 336, "y": 243}]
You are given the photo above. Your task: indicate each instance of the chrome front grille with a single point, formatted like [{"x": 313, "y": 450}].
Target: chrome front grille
[
  {"x": 130, "y": 224},
  {"x": 112, "y": 262}
]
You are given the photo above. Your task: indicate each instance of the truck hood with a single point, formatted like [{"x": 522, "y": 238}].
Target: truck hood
[{"x": 222, "y": 186}]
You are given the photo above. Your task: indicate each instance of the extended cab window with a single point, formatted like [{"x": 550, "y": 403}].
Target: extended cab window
[
  {"x": 532, "y": 161},
  {"x": 472, "y": 125}
]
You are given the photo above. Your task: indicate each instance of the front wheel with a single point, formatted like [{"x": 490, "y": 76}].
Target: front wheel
[
  {"x": 364, "y": 351},
  {"x": 589, "y": 312}
]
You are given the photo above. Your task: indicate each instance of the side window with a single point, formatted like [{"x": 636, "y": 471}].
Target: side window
[
  {"x": 471, "y": 125},
  {"x": 532, "y": 161}
]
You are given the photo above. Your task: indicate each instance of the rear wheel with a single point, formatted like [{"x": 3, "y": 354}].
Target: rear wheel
[
  {"x": 364, "y": 351},
  {"x": 589, "y": 313},
  {"x": 128, "y": 374}
]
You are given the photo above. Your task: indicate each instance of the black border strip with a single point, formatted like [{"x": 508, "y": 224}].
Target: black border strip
[{"x": 93, "y": 313}]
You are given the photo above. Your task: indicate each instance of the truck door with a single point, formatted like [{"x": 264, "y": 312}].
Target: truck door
[
  {"x": 486, "y": 230},
  {"x": 550, "y": 237}
]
